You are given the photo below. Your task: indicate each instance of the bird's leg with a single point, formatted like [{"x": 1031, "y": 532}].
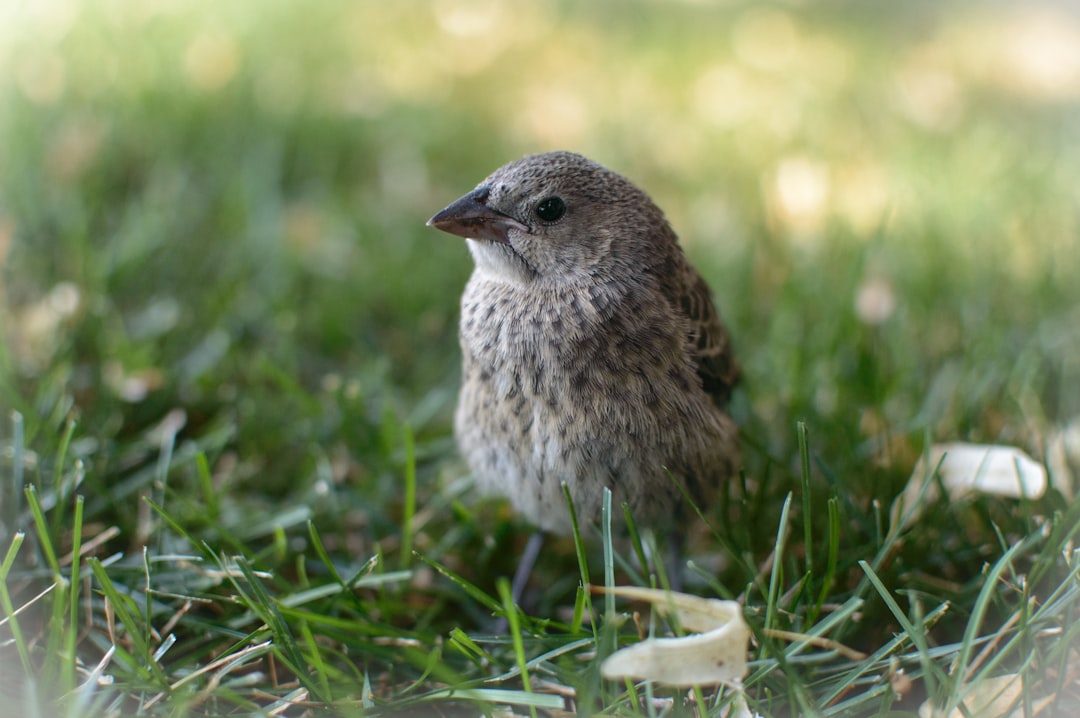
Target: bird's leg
[
  {"x": 664, "y": 562},
  {"x": 521, "y": 575},
  {"x": 674, "y": 559},
  {"x": 525, "y": 565}
]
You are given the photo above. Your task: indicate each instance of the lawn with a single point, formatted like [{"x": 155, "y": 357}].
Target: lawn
[{"x": 228, "y": 482}]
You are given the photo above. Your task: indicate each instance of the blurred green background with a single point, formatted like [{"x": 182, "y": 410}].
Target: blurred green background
[
  {"x": 219, "y": 208},
  {"x": 215, "y": 274}
]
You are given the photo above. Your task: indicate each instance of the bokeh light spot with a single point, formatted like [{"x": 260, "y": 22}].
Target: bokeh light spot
[
  {"x": 42, "y": 78},
  {"x": 211, "y": 59},
  {"x": 766, "y": 39},
  {"x": 800, "y": 194}
]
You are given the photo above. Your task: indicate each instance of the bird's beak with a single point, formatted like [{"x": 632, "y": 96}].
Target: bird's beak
[{"x": 469, "y": 217}]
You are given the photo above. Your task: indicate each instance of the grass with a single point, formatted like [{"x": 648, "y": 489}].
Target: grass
[{"x": 227, "y": 478}]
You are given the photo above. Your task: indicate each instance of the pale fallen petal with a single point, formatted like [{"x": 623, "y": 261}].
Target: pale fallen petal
[
  {"x": 716, "y": 655},
  {"x": 991, "y": 698},
  {"x": 739, "y": 709},
  {"x": 965, "y": 468},
  {"x": 1063, "y": 457}
]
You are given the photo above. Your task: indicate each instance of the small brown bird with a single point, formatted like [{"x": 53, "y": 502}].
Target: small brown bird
[{"x": 592, "y": 352}]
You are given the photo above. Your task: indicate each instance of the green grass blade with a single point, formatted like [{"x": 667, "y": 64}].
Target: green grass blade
[
  {"x": 58, "y": 473},
  {"x": 140, "y": 659},
  {"x": 286, "y": 647},
  {"x": 319, "y": 668},
  {"x": 470, "y": 648},
  {"x": 988, "y": 593},
  {"x": 409, "y": 507},
  {"x": 807, "y": 511},
  {"x": 579, "y": 549},
  {"x": 496, "y": 695},
  {"x": 9, "y": 606},
  {"x": 42, "y": 526},
  {"x": 10, "y": 504},
  {"x": 609, "y": 561},
  {"x": 206, "y": 485},
  {"x": 469, "y": 588},
  {"x": 320, "y": 550},
  {"x": 635, "y": 539},
  {"x": 68, "y": 682},
  {"x": 581, "y": 598},
  {"x": 511, "y": 612},
  {"x": 931, "y": 672},
  {"x": 777, "y": 572},
  {"x": 829, "y": 577}
]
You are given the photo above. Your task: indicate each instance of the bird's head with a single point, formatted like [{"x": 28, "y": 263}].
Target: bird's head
[{"x": 558, "y": 215}]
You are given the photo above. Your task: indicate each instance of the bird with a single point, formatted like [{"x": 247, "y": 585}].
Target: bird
[{"x": 593, "y": 354}]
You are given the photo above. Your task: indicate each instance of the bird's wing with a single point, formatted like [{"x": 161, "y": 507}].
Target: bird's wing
[{"x": 715, "y": 360}]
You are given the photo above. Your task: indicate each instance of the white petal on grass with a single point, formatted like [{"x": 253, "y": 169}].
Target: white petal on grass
[
  {"x": 966, "y": 468},
  {"x": 717, "y": 654},
  {"x": 1063, "y": 457},
  {"x": 998, "y": 696},
  {"x": 739, "y": 709}
]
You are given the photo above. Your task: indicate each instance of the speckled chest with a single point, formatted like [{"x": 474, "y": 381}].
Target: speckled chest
[
  {"x": 579, "y": 357},
  {"x": 544, "y": 342},
  {"x": 575, "y": 387}
]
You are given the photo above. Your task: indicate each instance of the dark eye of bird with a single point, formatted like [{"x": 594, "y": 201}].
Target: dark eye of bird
[{"x": 551, "y": 209}]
